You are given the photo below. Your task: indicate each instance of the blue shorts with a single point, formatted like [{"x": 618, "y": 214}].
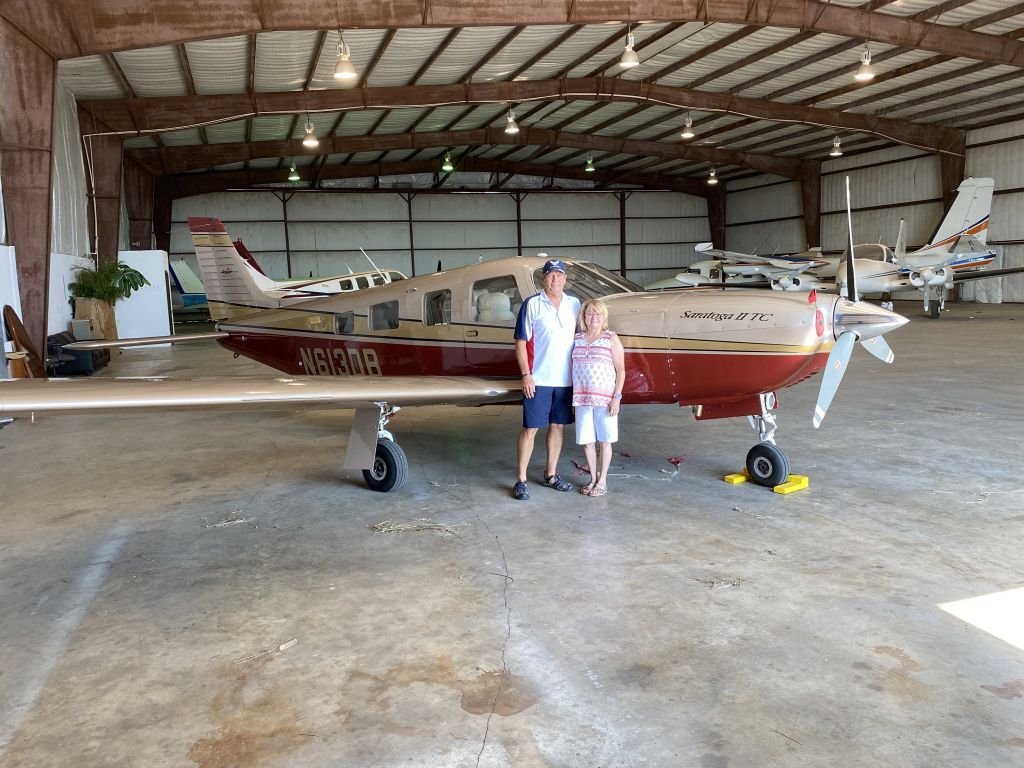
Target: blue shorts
[{"x": 549, "y": 405}]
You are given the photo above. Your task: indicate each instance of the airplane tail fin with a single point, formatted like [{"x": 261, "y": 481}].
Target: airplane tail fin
[
  {"x": 232, "y": 287},
  {"x": 967, "y": 216}
]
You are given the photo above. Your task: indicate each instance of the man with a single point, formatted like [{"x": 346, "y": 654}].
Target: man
[{"x": 544, "y": 334}]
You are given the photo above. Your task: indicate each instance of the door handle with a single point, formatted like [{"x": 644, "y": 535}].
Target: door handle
[{"x": 472, "y": 333}]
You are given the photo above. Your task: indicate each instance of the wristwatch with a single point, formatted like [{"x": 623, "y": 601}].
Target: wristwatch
[{"x": 617, "y": 395}]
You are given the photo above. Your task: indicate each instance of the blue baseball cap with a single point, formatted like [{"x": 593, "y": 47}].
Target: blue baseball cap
[{"x": 554, "y": 265}]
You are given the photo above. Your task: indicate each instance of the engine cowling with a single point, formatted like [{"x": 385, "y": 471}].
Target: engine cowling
[
  {"x": 917, "y": 279},
  {"x": 930, "y": 277},
  {"x": 788, "y": 283}
]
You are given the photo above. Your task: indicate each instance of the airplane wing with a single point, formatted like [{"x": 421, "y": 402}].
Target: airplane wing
[
  {"x": 981, "y": 274},
  {"x": 23, "y": 396}
]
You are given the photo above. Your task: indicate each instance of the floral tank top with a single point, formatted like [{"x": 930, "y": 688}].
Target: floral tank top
[{"x": 593, "y": 373}]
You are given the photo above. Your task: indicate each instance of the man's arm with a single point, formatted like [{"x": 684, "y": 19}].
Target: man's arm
[{"x": 523, "y": 358}]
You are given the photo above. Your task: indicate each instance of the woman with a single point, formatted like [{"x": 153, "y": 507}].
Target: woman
[{"x": 598, "y": 373}]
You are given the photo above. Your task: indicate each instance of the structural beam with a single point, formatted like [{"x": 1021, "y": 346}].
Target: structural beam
[
  {"x": 188, "y": 184},
  {"x": 103, "y": 157},
  {"x": 134, "y": 116},
  {"x": 173, "y": 160},
  {"x": 101, "y": 26}
]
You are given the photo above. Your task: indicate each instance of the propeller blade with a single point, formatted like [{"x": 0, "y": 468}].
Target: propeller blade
[
  {"x": 851, "y": 272},
  {"x": 879, "y": 347},
  {"x": 834, "y": 370}
]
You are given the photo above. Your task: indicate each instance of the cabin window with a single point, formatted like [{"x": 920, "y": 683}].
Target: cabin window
[
  {"x": 379, "y": 278},
  {"x": 345, "y": 322},
  {"x": 715, "y": 273},
  {"x": 437, "y": 308},
  {"x": 384, "y": 317},
  {"x": 362, "y": 282},
  {"x": 393, "y": 275},
  {"x": 495, "y": 300}
]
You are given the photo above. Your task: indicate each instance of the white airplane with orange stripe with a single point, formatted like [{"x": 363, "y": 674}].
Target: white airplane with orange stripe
[
  {"x": 446, "y": 338},
  {"x": 956, "y": 251}
]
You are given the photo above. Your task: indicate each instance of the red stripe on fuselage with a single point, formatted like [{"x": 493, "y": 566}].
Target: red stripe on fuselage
[{"x": 697, "y": 377}]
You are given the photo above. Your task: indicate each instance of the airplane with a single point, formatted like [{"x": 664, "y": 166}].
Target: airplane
[
  {"x": 446, "y": 338},
  {"x": 287, "y": 292},
  {"x": 956, "y": 251},
  {"x": 797, "y": 272},
  {"x": 188, "y": 293}
]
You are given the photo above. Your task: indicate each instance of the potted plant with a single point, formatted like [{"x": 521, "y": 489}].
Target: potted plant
[{"x": 95, "y": 290}]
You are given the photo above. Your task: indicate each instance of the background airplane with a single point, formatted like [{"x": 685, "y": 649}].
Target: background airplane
[
  {"x": 783, "y": 273},
  {"x": 956, "y": 251},
  {"x": 446, "y": 338},
  {"x": 287, "y": 292}
]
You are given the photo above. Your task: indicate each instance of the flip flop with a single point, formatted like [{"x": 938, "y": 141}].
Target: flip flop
[
  {"x": 598, "y": 490},
  {"x": 587, "y": 490}
]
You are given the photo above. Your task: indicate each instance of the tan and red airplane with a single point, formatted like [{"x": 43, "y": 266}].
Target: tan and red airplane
[{"x": 447, "y": 338}]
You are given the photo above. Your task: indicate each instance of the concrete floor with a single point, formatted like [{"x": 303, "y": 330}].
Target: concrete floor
[{"x": 678, "y": 621}]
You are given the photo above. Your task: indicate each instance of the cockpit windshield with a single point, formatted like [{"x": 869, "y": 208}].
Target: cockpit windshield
[{"x": 589, "y": 281}]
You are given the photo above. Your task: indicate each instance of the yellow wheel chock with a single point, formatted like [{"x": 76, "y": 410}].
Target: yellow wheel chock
[{"x": 793, "y": 482}]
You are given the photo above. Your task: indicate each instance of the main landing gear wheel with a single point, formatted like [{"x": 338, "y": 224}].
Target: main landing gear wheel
[
  {"x": 934, "y": 309},
  {"x": 390, "y": 468},
  {"x": 767, "y": 465}
]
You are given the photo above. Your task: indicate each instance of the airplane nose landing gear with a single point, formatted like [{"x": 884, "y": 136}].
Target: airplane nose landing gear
[{"x": 766, "y": 463}]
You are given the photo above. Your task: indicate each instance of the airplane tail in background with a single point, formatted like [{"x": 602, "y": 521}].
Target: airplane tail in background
[
  {"x": 232, "y": 289},
  {"x": 967, "y": 216}
]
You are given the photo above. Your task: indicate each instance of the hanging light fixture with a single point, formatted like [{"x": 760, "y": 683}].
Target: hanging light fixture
[
  {"x": 712, "y": 179},
  {"x": 311, "y": 140},
  {"x": 293, "y": 175},
  {"x": 629, "y": 58},
  {"x": 837, "y": 151},
  {"x": 589, "y": 167},
  {"x": 343, "y": 70},
  {"x": 865, "y": 72},
  {"x": 511, "y": 127},
  {"x": 447, "y": 166},
  {"x": 687, "y": 128}
]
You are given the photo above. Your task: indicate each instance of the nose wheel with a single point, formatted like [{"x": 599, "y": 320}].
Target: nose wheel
[{"x": 767, "y": 465}]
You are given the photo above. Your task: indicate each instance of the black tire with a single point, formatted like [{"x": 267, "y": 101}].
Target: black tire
[
  {"x": 767, "y": 465},
  {"x": 390, "y": 468},
  {"x": 934, "y": 310}
]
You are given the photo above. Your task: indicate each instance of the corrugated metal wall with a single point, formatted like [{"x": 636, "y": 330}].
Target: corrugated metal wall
[
  {"x": 763, "y": 213},
  {"x": 325, "y": 230}
]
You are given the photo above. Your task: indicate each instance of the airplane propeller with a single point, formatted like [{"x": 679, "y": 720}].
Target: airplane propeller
[{"x": 855, "y": 321}]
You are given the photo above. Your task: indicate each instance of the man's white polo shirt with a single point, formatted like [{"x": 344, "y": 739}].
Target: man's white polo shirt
[{"x": 548, "y": 333}]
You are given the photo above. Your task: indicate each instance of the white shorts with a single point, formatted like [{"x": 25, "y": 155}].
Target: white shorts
[{"x": 593, "y": 424}]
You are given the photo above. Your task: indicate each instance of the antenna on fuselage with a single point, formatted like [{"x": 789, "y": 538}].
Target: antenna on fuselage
[{"x": 382, "y": 275}]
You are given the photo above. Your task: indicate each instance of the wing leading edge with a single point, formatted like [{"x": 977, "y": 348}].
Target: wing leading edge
[{"x": 23, "y": 396}]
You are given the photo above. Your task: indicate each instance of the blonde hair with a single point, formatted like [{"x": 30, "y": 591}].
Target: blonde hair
[{"x": 596, "y": 305}]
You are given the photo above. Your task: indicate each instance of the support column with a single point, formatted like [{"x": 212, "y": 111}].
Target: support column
[
  {"x": 622, "y": 232},
  {"x": 162, "y": 203},
  {"x": 138, "y": 198},
  {"x": 953, "y": 169},
  {"x": 810, "y": 196},
  {"x": 103, "y": 156},
  {"x": 26, "y": 138},
  {"x": 716, "y": 216}
]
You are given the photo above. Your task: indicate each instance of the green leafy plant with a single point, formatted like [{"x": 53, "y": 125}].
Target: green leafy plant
[{"x": 109, "y": 282}]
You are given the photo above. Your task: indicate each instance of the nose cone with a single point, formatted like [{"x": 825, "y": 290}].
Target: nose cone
[{"x": 864, "y": 319}]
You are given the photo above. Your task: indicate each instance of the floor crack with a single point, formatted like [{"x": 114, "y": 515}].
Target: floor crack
[{"x": 504, "y": 646}]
